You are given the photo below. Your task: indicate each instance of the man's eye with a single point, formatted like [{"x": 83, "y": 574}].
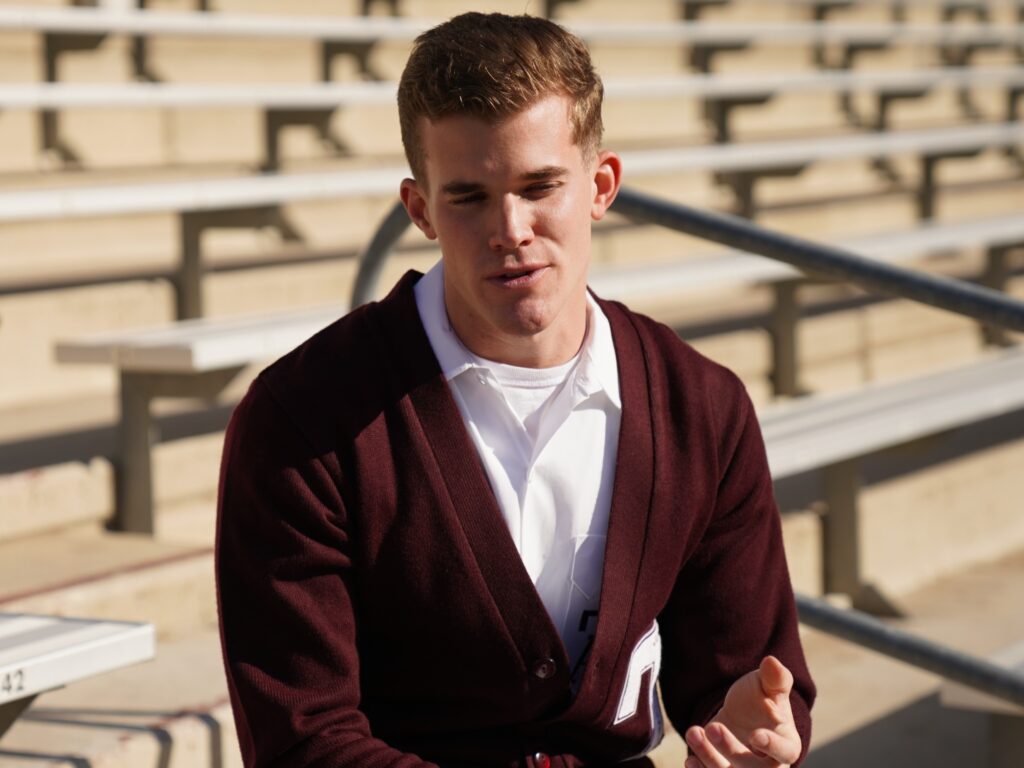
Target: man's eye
[
  {"x": 467, "y": 199},
  {"x": 539, "y": 190}
]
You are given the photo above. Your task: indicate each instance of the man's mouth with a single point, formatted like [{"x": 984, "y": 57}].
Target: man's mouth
[{"x": 519, "y": 277}]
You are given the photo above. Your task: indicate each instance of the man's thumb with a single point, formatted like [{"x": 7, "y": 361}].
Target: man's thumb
[{"x": 776, "y": 679}]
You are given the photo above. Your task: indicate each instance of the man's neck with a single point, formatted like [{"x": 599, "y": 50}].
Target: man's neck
[{"x": 545, "y": 349}]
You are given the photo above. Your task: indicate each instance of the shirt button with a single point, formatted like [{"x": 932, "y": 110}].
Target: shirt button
[
  {"x": 544, "y": 668},
  {"x": 541, "y": 760}
]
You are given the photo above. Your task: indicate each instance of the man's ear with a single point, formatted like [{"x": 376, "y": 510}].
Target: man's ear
[
  {"x": 607, "y": 178},
  {"x": 415, "y": 203}
]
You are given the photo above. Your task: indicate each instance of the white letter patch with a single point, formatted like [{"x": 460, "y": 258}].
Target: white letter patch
[{"x": 646, "y": 656}]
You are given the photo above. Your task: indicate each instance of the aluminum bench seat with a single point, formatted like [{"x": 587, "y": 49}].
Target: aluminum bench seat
[
  {"x": 41, "y": 653},
  {"x": 821, "y": 430},
  {"x": 204, "y": 344},
  {"x": 833, "y": 432}
]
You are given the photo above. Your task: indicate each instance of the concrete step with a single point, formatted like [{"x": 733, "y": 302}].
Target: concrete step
[{"x": 86, "y": 572}]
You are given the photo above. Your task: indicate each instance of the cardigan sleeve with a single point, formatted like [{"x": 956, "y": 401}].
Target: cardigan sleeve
[
  {"x": 284, "y": 588},
  {"x": 733, "y": 603}
]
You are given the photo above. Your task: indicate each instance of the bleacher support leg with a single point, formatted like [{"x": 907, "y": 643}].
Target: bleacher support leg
[
  {"x": 550, "y": 7},
  {"x": 821, "y": 11},
  {"x": 841, "y": 542},
  {"x": 140, "y": 61},
  {"x": 953, "y": 55},
  {"x": 701, "y": 54},
  {"x": 139, "y": 433},
  {"x": 189, "y": 288},
  {"x": 690, "y": 10},
  {"x": 140, "y": 48},
  {"x": 743, "y": 185},
  {"x": 275, "y": 120},
  {"x": 54, "y": 45},
  {"x": 11, "y": 711},
  {"x": 951, "y": 10},
  {"x": 718, "y": 110},
  {"x": 360, "y": 52},
  {"x": 995, "y": 276},
  {"x": 886, "y": 99},
  {"x": 926, "y": 189},
  {"x": 191, "y": 226},
  {"x": 785, "y": 356},
  {"x": 846, "y": 61},
  {"x": 1013, "y": 99},
  {"x": 366, "y": 8}
]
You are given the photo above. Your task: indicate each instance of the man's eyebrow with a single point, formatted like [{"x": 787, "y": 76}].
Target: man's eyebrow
[
  {"x": 547, "y": 172},
  {"x": 461, "y": 187},
  {"x": 541, "y": 174}
]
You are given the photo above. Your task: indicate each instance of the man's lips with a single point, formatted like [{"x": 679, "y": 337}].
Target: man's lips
[{"x": 519, "y": 276}]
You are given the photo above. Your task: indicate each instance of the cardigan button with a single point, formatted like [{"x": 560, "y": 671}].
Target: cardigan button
[
  {"x": 544, "y": 668},
  {"x": 540, "y": 760}
]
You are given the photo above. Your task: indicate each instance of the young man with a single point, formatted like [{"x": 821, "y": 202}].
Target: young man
[{"x": 472, "y": 524}]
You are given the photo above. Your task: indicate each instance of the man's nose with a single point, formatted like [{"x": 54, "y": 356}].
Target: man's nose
[{"x": 512, "y": 227}]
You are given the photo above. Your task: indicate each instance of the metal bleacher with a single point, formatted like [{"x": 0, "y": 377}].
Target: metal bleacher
[{"x": 186, "y": 194}]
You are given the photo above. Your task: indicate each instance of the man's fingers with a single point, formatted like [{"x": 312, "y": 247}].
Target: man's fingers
[
  {"x": 703, "y": 750},
  {"x": 776, "y": 679},
  {"x": 781, "y": 749},
  {"x": 718, "y": 747},
  {"x": 726, "y": 742}
]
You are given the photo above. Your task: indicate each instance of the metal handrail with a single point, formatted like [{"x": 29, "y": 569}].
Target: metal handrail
[
  {"x": 862, "y": 629},
  {"x": 957, "y": 296},
  {"x": 946, "y": 293}
]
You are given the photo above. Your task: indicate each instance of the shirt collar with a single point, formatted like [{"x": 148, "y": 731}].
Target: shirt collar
[{"x": 598, "y": 369}]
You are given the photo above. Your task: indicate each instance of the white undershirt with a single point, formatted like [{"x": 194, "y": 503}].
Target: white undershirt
[{"x": 548, "y": 440}]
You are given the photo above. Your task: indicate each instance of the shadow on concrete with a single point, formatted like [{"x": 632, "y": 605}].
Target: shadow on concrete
[
  {"x": 86, "y": 444},
  {"x": 121, "y": 720},
  {"x": 923, "y": 733},
  {"x": 72, "y": 760}
]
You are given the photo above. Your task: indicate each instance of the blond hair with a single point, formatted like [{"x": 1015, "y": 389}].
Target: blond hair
[{"x": 491, "y": 66}]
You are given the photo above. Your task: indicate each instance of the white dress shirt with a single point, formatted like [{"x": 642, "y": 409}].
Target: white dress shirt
[{"x": 548, "y": 440}]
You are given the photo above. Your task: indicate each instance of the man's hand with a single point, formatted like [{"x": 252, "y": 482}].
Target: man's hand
[{"x": 754, "y": 728}]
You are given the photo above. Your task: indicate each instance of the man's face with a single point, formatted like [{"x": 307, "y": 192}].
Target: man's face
[{"x": 511, "y": 205}]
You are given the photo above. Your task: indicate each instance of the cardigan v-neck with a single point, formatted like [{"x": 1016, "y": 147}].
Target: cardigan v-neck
[{"x": 469, "y": 489}]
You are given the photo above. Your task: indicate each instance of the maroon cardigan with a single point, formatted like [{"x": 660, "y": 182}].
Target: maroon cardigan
[{"x": 375, "y": 612}]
